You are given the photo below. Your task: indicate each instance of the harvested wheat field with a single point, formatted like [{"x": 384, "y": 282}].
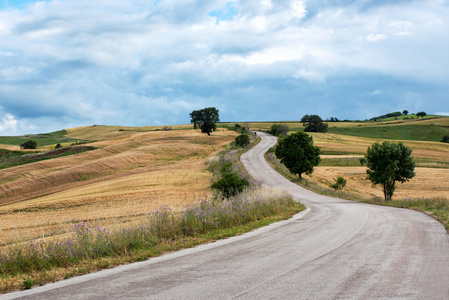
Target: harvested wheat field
[
  {"x": 133, "y": 172},
  {"x": 332, "y": 142},
  {"x": 428, "y": 182},
  {"x": 432, "y": 172}
]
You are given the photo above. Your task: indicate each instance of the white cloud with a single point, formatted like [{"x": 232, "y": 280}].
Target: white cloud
[
  {"x": 375, "y": 37},
  {"x": 311, "y": 75},
  {"x": 8, "y": 124},
  {"x": 267, "y": 4},
  {"x": 298, "y": 9},
  {"x": 376, "y": 92}
]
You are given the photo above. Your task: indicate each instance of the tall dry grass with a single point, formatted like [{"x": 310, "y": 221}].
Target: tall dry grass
[{"x": 88, "y": 241}]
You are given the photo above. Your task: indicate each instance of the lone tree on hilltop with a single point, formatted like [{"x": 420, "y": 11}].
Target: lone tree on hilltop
[
  {"x": 313, "y": 123},
  {"x": 405, "y": 112},
  {"x": 388, "y": 163},
  {"x": 205, "y": 119},
  {"x": 421, "y": 114},
  {"x": 29, "y": 145},
  {"x": 298, "y": 153}
]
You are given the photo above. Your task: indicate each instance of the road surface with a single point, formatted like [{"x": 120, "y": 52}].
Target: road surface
[{"x": 336, "y": 250}]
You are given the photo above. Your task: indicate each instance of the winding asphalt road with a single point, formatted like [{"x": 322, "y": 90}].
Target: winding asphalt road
[{"x": 337, "y": 249}]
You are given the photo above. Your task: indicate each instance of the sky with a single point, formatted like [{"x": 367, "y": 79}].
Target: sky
[{"x": 69, "y": 63}]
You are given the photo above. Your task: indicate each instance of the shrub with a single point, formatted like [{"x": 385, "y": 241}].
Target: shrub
[
  {"x": 29, "y": 145},
  {"x": 230, "y": 185},
  {"x": 445, "y": 139},
  {"x": 58, "y": 146},
  {"x": 242, "y": 140},
  {"x": 278, "y": 130},
  {"x": 339, "y": 184}
]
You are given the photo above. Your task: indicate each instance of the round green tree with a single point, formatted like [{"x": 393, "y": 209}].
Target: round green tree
[
  {"x": 388, "y": 163},
  {"x": 205, "y": 119},
  {"x": 298, "y": 153},
  {"x": 313, "y": 123}
]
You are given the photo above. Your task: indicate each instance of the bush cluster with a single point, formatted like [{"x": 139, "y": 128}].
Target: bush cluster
[
  {"x": 339, "y": 184},
  {"x": 230, "y": 184},
  {"x": 242, "y": 140},
  {"x": 29, "y": 145},
  {"x": 278, "y": 130}
]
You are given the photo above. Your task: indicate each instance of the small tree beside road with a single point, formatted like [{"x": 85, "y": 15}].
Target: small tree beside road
[
  {"x": 388, "y": 163},
  {"x": 298, "y": 153}
]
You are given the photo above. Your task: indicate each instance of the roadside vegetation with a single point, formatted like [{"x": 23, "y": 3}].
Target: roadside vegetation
[{"x": 93, "y": 247}]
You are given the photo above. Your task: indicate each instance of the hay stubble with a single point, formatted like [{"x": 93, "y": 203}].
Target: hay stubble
[{"x": 127, "y": 177}]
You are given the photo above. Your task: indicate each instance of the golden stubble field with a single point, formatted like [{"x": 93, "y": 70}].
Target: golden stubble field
[
  {"x": 131, "y": 174},
  {"x": 429, "y": 182}
]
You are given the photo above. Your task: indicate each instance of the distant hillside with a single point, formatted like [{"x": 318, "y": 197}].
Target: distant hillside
[
  {"x": 389, "y": 115},
  {"x": 42, "y": 140}
]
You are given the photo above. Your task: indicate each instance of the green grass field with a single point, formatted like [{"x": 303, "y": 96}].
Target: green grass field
[
  {"x": 429, "y": 132},
  {"x": 42, "y": 140},
  {"x": 10, "y": 159}
]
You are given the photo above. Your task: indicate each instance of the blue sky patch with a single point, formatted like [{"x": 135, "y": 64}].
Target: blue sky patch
[
  {"x": 5, "y": 4},
  {"x": 226, "y": 13}
]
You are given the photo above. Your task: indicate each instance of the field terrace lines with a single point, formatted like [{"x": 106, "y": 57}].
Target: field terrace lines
[{"x": 130, "y": 176}]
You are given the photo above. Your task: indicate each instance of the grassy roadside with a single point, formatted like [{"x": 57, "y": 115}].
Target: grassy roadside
[
  {"x": 436, "y": 208},
  {"x": 90, "y": 249}
]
